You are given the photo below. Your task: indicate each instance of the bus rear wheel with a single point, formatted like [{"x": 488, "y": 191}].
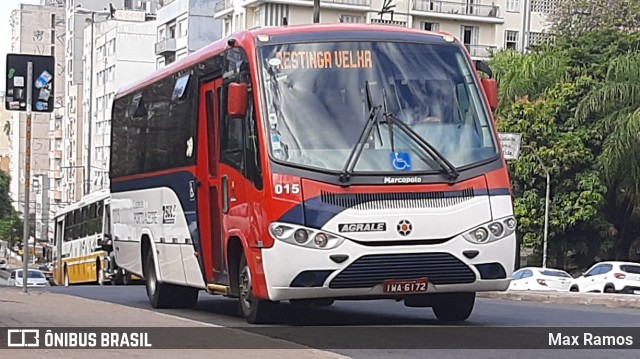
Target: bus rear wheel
[
  {"x": 453, "y": 307},
  {"x": 99, "y": 272},
  {"x": 255, "y": 311},
  {"x": 163, "y": 295}
]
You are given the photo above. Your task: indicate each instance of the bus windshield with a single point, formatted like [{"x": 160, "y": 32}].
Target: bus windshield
[{"x": 319, "y": 97}]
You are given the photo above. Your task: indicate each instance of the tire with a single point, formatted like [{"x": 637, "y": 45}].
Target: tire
[
  {"x": 99, "y": 273},
  {"x": 609, "y": 289},
  {"x": 66, "y": 277},
  {"x": 574, "y": 289},
  {"x": 162, "y": 295},
  {"x": 255, "y": 311},
  {"x": 454, "y": 307}
]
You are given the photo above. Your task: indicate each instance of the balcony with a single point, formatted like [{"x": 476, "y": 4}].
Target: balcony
[
  {"x": 458, "y": 10},
  {"x": 365, "y": 3},
  {"x": 57, "y": 155},
  {"x": 222, "y": 5},
  {"x": 480, "y": 51},
  {"x": 57, "y": 134},
  {"x": 166, "y": 46},
  {"x": 57, "y": 174},
  {"x": 56, "y": 195}
]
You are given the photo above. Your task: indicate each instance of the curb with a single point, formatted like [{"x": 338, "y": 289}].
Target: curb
[{"x": 569, "y": 298}]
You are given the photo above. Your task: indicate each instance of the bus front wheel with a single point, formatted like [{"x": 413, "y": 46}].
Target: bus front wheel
[
  {"x": 256, "y": 311},
  {"x": 164, "y": 295},
  {"x": 453, "y": 307}
]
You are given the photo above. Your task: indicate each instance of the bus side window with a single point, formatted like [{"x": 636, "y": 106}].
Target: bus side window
[
  {"x": 231, "y": 137},
  {"x": 240, "y": 146}
]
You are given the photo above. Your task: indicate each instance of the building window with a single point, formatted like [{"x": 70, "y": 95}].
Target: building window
[
  {"x": 543, "y": 6},
  {"x": 430, "y": 26},
  {"x": 513, "y": 5},
  {"x": 172, "y": 31},
  {"x": 511, "y": 40},
  {"x": 256, "y": 17},
  {"x": 351, "y": 19},
  {"x": 274, "y": 13}
]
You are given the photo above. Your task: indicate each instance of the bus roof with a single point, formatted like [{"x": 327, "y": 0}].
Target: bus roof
[
  {"x": 220, "y": 45},
  {"x": 87, "y": 199}
]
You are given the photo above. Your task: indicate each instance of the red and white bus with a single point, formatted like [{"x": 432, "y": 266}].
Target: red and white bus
[{"x": 314, "y": 163}]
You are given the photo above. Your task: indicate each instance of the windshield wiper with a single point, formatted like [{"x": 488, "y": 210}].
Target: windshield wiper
[
  {"x": 355, "y": 153},
  {"x": 426, "y": 146}
]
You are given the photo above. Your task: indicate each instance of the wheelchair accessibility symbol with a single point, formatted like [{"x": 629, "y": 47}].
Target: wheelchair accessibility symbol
[{"x": 401, "y": 161}]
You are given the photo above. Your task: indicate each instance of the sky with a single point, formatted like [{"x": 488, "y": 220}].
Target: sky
[{"x": 6, "y": 7}]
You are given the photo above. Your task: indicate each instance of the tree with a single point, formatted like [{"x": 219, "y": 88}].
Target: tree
[
  {"x": 519, "y": 75},
  {"x": 614, "y": 106},
  {"x": 5, "y": 200},
  {"x": 11, "y": 228},
  {"x": 577, "y": 226},
  {"x": 573, "y": 18}
]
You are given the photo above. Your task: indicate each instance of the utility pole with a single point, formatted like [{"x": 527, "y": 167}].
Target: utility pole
[
  {"x": 316, "y": 11},
  {"x": 90, "y": 119},
  {"x": 27, "y": 180}
]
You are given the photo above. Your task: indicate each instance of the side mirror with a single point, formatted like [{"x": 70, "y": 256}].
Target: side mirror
[
  {"x": 490, "y": 87},
  {"x": 237, "y": 100}
]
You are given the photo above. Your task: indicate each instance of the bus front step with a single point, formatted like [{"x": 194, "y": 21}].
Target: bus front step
[{"x": 218, "y": 289}]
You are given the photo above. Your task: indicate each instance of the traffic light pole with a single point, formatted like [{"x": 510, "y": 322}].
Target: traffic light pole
[{"x": 27, "y": 180}]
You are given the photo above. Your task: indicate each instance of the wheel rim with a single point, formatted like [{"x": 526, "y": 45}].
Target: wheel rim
[{"x": 245, "y": 287}]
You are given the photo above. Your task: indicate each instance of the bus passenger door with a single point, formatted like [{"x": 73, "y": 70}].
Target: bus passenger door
[{"x": 209, "y": 198}]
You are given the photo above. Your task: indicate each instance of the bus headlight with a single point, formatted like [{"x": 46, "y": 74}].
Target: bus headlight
[
  {"x": 492, "y": 231},
  {"x": 300, "y": 236}
]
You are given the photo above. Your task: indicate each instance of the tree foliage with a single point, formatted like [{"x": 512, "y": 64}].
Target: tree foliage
[
  {"x": 577, "y": 104},
  {"x": 573, "y": 18},
  {"x": 10, "y": 223}
]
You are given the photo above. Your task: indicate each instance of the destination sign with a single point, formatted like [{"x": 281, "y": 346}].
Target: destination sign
[{"x": 297, "y": 60}]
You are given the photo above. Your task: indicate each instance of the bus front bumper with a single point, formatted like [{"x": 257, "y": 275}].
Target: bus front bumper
[{"x": 359, "y": 272}]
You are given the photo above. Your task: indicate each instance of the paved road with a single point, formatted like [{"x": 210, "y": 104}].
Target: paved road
[{"x": 488, "y": 312}]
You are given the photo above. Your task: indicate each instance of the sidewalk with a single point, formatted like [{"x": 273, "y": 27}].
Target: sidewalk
[
  {"x": 568, "y": 298},
  {"x": 43, "y": 309}
]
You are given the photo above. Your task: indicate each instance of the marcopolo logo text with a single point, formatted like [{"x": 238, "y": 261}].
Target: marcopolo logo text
[{"x": 392, "y": 180}]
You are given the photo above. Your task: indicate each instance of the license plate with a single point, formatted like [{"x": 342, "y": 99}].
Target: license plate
[{"x": 405, "y": 286}]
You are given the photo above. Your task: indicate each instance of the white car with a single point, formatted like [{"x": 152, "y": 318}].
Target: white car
[
  {"x": 35, "y": 278},
  {"x": 609, "y": 277},
  {"x": 543, "y": 279}
]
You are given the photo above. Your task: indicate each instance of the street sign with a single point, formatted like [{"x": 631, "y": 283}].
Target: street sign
[
  {"x": 511, "y": 145},
  {"x": 42, "y": 86}
]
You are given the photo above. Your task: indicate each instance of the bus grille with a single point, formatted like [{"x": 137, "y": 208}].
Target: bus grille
[
  {"x": 371, "y": 270},
  {"x": 369, "y": 201}
]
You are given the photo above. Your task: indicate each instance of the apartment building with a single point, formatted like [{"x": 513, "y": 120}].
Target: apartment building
[
  {"x": 484, "y": 26},
  {"x": 39, "y": 30},
  {"x": 5, "y": 124},
  {"x": 184, "y": 26},
  {"x": 80, "y": 15},
  {"x": 123, "y": 51}
]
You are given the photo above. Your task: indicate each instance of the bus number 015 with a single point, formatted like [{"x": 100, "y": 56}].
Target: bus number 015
[{"x": 287, "y": 188}]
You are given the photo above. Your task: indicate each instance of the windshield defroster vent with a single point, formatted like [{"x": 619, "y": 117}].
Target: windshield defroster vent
[{"x": 368, "y": 201}]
